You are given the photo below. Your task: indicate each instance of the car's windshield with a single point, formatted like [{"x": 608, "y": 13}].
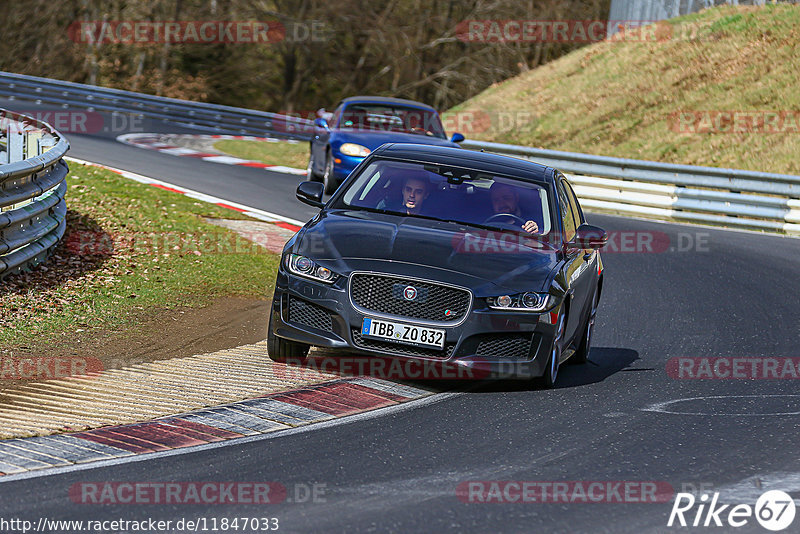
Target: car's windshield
[
  {"x": 454, "y": 194},
  {"x": 390, "y": 117}
]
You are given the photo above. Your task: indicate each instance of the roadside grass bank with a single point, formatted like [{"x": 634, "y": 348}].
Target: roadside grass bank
[
  {"x": 715, "y": 88},
  {"x": 283, "y": 153},
  {"x": 129, "y": 249}
]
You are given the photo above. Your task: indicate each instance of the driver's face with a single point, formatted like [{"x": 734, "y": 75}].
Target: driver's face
[
  {"x": 505, "y": 200},
  {"x": 414, "y": 193}
]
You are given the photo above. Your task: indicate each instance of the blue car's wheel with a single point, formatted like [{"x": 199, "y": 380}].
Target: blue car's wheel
[{"x": 327, "y": 178}]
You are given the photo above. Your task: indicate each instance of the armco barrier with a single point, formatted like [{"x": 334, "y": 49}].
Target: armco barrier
[
  {"x": 210, "y": 117},
  {"x": 32, "y": 187},
  {"x": 707, "y": 195}
]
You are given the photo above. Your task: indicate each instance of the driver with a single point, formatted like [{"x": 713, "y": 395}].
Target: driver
[
  {"x": 505, "y": 200},
  {"x": 415, "y": 189}
]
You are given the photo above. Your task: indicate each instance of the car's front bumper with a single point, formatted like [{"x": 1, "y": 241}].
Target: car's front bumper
[{"x": 488, "y": 343}]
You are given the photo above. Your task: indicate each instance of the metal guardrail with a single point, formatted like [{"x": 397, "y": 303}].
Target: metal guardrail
[
  {"x": 32, "y": 188},
  {"x": 217, "y": 118},
  {"x": 707, "y": 195}
]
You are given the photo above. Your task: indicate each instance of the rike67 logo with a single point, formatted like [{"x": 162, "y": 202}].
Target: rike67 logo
[{"x": 774, "y": 510}]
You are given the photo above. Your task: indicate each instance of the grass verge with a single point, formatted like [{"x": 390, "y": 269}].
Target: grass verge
[
  {"x": 284, "y": 153},
  {"x": 623, "y": 98},
  {"x": 129, "y": 248}
]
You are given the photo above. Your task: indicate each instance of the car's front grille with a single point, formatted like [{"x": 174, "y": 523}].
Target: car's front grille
[
  {"x": 505, "y": 346},
  {"x": 399, "y": 349},
  {"x": 433, "y": 302},
  {"x": 305, "y": 313}
]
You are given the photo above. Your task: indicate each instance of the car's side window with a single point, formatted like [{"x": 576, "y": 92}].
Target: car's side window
[
  {"x": 577, "y": 212},
  {"x": 567, "y": 217}
]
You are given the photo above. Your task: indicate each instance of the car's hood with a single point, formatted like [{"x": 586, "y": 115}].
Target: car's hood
[
  {"x": 484, "y": 261},
  {"x": 372, "y": 139}
]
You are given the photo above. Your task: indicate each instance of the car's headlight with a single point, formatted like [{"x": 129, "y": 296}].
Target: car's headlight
[
  {"x": 352, "y": 149},
  {"x": 530, "y": 302},
  {"x": 302, "y": 266}
]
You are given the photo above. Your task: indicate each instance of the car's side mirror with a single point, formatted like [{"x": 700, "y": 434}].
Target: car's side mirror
[
  {"x": 322, "y": 123},
  {"x": 310, "y": 193},
  {"x": 590, "y": 236},
  {"x": 457, "y": 138}
]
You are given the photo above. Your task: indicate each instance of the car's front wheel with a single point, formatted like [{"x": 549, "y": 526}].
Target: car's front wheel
[
  {"x": 551, "y": 372},
  {"x": 282, "y": 350},
  {"x": 327, "y": 178},
  {"x": 582, "y": 354}
]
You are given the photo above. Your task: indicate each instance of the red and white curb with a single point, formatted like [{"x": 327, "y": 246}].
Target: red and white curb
[
  {"x": 271, "y": 413},
  {"x": 279, "y": 220},
  {"x": 155, "y": 141}
]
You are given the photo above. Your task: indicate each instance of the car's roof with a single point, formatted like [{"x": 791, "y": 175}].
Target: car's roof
[
  {"x": 385, "y": 100},
  {"x": 459, "y": 157}
]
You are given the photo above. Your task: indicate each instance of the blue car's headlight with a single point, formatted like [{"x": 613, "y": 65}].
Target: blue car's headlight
[
  {"x": 352, "y": 149},
  {"x": 527, "y": 302},
  {"x": 302, "y": 266}
]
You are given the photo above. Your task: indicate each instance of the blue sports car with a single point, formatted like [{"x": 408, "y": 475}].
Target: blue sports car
[{"x": 360, "y": 124}]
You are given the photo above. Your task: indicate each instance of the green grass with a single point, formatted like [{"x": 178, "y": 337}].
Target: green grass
[
  {"x": 273, "y": 153},
  {"x": 620, "y": 98},
  {"x": 100, "y": 289}
]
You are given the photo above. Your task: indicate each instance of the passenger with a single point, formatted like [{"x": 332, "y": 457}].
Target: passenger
[{"x": 505, "y": 201}]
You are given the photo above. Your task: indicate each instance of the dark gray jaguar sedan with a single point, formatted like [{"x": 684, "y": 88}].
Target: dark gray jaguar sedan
[{"x": 465, "y": 258}]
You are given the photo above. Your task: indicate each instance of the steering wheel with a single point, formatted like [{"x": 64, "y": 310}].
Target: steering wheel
[{"x": 520, "y": 220}]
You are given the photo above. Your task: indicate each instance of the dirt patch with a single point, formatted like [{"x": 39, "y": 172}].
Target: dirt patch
[{"x": 156, "y": 334}]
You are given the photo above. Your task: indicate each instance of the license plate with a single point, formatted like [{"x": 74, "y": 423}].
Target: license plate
[{"x": 409, "y": 334}]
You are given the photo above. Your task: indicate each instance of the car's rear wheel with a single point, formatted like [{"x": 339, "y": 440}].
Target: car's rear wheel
[
  {"x": 311, "y": 174},
  {"x": 327, "y": 178},
  {"x": 582, "y": 354},
  {"x": 551, "y": 372},
  {"x": 282, "y": 350}
]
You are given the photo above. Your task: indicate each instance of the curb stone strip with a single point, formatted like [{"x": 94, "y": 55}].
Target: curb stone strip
[
  {"x": 155, "y": 141},
  {"x": 304, "y": 406}
]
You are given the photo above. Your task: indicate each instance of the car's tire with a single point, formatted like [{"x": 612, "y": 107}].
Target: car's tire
[
  {"x": 328, "y": 179},
  {"x": 582, "y": 354},
  {"x": 311, "y": 174},
  {"x": 548, "y": 380},
  {"x": 282, "y": 350}
]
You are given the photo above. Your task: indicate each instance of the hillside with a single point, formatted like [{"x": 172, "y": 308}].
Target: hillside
[{"x": 625, "y": 98}]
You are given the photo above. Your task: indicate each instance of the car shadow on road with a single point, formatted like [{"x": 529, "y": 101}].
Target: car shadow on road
[{"x": 603, "y": 363}]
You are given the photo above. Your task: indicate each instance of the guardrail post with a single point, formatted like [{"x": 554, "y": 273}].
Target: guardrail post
[
  {"x": 32, "y": 138},
  {"x": 15, "y": 148}
]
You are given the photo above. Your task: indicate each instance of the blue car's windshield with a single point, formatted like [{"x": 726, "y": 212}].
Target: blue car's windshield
[
  {"x": 391, "y": 118},
  {"x": 452, "y": 194}
]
